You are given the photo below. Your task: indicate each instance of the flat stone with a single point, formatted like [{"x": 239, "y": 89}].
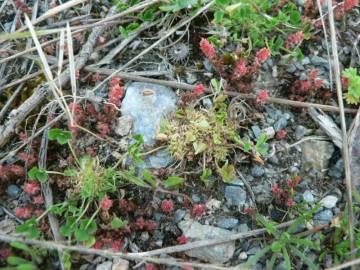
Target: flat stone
[
  {"x": 148, "y": 104},
  {"x": 317, "y": 154},
  {"x": 120, "y": 264},
  {"x": 227, "y": 223},
  {"x": 257, "y": 171},
  {"x": 329, "y": 201},
  {"x": 213, "y": 254},
  {"x": 104, "y": 266},
  {"x": 235, "y": 196}
]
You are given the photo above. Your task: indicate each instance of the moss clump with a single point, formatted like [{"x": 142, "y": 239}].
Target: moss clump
[{"x": 201, "y": 132}]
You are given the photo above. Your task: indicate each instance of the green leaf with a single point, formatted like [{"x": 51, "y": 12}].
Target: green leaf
[
  {"x": 206, "y": 174},
  {"x": 149, "y": 178},
  {"x": 286, "y": 258},
  {"x": 199, "y": 147},
  {"x": 39, "y": 174},
  {"x": 222, "y": 2},
  {"x": 70, "y": 172},
  {"x": 20, "y": 246},
  {"x": 29, "y": 228},
  {"x": 27, "y": 266},
  {"x": 82, "y": 235},
  {"x": 148, "y": 15},
  {"x": 173, "y": 181},
  {"x": 177, "y": 5},
  {"x": 62, "y": 136},
  {"x": 126, "y": 175},
  {"x": 227, "y": 172},
  {"x": 276, "y": 247},
  {"x": 15, "y": 260},
  {"x": 66, "y": 230},
  {"x": 118, "y": 223}
]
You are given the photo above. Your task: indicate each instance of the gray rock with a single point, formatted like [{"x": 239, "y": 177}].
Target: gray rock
[
  {"x": 148, "y": 104},
  {"x": 13, "y": 191},
  {"x": 319, "y": 61},
  {"x": 280, "y": 124},
  {"x": 123, "y": 125},
  {"x": 207, "y": 103},
  {"x": 191, "y": 78},
  {"x": 213, "y": 254},
  {"x": 257, "y": 171},
  {"x": 301, "y": 3},
  {"x": 227, "y": 223},
  {"x": 299, "y": 66},
  {"x": 308, "y": 196},
  {"x": 235, "y": 196},
  {"x": 291, "y": 68},
  {"x": 329, "y": 201},
  {"x": 256, "y": 130},
  {"x": 300, "y": 132},
  {"x": 104, "y": 266},
  {"x": 294, "y": 170},
  {"x": 317, "y": 154},
  {"x": 196, "y": 198},
  {"x": 179, "y": 215},
  {"x": 337, "y": 171},
  {"x": 243, "y": 228},
  {"x": 305, "y": 60},
  {"x": 323, "y": 217},
  {"x": 160, "y": 159}
]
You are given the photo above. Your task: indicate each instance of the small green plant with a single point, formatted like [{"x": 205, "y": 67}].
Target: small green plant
[
  {"x": 285, "y": 244},
  {"x": 257, "y": 23},
  {"x": 209, "y": 134},
  {"x": 31, "y": 259},
  {"x": 353, "y": 81}
]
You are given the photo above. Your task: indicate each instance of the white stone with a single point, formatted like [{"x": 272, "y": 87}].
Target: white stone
[
  {"x": 329, "y": 201},
  {"x": 270, "y": 132}
]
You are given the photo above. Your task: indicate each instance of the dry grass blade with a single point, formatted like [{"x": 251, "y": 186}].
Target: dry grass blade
[
  {"x": 345, "y": 148},
  {"x": 61, "y": 52},
  {"x": 47, "y": 71},
  {"x": 16, "y": 35},
  {"x": 71, "y": 65},
  {"x": 50, "y": 13}
]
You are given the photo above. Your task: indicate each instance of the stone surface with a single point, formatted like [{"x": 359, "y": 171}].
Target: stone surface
[
  {"x": 179, "y": 215},
  {"x": 300, "y": 132},
  {"x": 270, "y": 132},
  {"x": 104, "y": 266},
  {"x": 227, "y": 223},
  {"x": 329, "y": 201},
  {"x": 280, "y": 124},
  {"x": 257, "y": 171},
  {"x": 323, "y": 217},
  {"x": 13, "y": 191},
  {"x": 235, "y": 196},
  {"x": 317, "y": 154},
  {"x": 308, "y": 196},
  {"x": 148, "y": 104},
  {"x": 213, "y": 254},
  {"x": 123, "y": 125},
  {"x": 120, "y": 264}
]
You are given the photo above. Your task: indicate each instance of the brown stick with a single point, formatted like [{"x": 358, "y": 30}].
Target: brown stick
[{"x": 189, "y": 87}]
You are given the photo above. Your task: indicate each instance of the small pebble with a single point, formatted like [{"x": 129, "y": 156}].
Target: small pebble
[
  {"x": 300, "y": 132},
  {"x": 243, "y": 255},
  {"x": 13, "y": 191},
  {"x": 257, "y": 171},
  {"x": 179, "y": 215},
  {"x": 270, "y": 132},
  {"x": 329, "y": 201},
  {"x": 280, "y": 124},
  {"x": 308, "y": 196}
]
